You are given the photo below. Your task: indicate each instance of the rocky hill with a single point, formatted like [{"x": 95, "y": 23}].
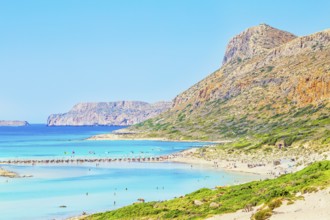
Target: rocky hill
[
  {"x": 13, "y": 123},
  {"x": 272, "y": 88},
  {"x": 255, "y": 41},
  {"x": 108, "y": 113}
]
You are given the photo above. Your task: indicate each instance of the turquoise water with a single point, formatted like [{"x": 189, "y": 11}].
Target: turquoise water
[
  {"x": 40, "y": 142},
  {"x": 87, "y": 187}
]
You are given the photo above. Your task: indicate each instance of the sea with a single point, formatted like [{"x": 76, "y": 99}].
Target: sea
[{"x": 59, "y": 191}]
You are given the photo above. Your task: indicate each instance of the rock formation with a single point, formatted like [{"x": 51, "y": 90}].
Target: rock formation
[
  {"x": 270, "y": 82},
  {"x": 255, "y": 41},
  {"x": 108, "y": 113},
  {"x": 269, "y": 67},
  {"x": 13, "y": 123}
]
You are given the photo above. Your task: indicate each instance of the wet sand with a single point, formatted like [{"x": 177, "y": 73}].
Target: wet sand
[
  {"x": 257, "y": 163},
  {"x": 239, "y": 165}
]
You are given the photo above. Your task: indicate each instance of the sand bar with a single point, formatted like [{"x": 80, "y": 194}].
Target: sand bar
[{"x": 6, "y": 173}]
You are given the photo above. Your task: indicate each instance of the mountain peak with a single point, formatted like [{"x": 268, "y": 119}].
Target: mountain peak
[
  {"x": 254, "y": 41},
  {"x": 264, "y": 25}
]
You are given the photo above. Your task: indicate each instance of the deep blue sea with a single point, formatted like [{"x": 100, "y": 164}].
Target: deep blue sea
[{"x": 89, "y": 187}]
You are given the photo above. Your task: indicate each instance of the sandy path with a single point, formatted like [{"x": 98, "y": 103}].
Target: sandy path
[
  {"x": 314, "y": 206},
  {"x": 239, "y": 215}
]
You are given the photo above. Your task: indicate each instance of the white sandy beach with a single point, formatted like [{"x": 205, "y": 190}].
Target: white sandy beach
[
  {"x": 258, "y": 164},
  {"x": 240, "y": 165}
]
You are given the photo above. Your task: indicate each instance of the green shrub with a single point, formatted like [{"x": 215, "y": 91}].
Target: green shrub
[
  {"x": 275, "y": 203},
  {"x": 262, "y": 214},
  {"x": 309, "y": 189},
  {"x": 173, "y": 214},
  {"x": 270, "y": 68},
  {"x": 290, "y": 202}
]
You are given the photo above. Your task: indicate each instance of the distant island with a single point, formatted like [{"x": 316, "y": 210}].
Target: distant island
[
  {"x": 108, "y": 113},
  {"x": 13, "y": 123}
]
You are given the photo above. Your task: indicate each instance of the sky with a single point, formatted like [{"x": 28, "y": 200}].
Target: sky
[{"x": 56, "y": 53}]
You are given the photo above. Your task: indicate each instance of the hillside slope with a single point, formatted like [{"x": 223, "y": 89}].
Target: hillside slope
[
  {"x": 277, "y": 94},
  {"x": 255, "y": 41}
]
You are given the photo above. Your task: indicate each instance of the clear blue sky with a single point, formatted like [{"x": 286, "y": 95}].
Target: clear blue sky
[{"x": 56, "y": 53}]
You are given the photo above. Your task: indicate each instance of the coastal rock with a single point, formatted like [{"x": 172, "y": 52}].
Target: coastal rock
[
  {"x": 13, "y": 123},
  {"x": 198, "y": 203},
  {"x": 108, "y": 113},
  {"x": 214, "y": 205}
]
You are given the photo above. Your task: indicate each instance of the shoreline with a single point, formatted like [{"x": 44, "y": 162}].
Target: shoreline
[
  {"x": 125, "y": 137},
  {"x": 160, "y": 159},
  {"x": 185, "y": 157},
  {"x": 224, "y": 162},
  {"x": 223, "y": 168},
  {"x": 271, "y": 167},
  {"x": 264, "y": 164},
  {"x": 285, "y": 211},
  {"x": 264, "y": 169}
]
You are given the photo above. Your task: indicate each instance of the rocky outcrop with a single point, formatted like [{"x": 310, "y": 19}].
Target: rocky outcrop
[
  {"x": 270, "y": 80},
  {"x": 255, "y": 41},
  {"x": 108, "y": 113},
  {"x": 13, "y": 123},
  {"x": 277, "y": 67}
]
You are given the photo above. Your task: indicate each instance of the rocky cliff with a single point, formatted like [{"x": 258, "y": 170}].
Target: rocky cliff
[
  {"x": 305, "y": 55},
  {"x": 255, "y": 41},
  {"x": 108, "y": 113},
  {"x": 272, "y": 86},
  {"x": 13, "y": 123}
]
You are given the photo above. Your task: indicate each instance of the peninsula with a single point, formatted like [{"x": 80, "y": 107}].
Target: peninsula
[{"x": 108, "y": 113}]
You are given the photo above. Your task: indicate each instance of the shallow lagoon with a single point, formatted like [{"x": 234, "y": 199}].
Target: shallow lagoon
[
  {"x": 41, "y": 196},
  {"x": 87, "y": 187}
]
